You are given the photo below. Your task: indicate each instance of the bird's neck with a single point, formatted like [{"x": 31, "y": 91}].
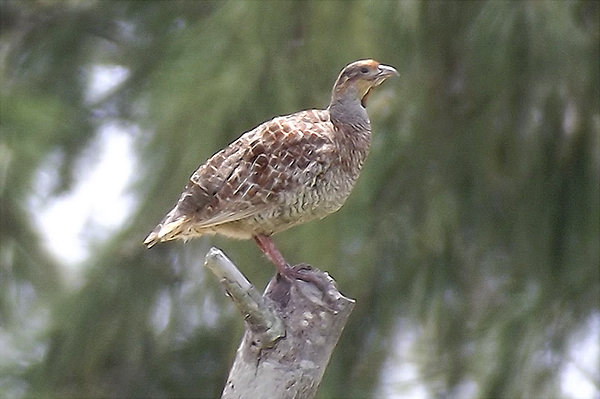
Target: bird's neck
[
  {"x": 353, "y": 131},
  {"x": 346, "y": 110}
]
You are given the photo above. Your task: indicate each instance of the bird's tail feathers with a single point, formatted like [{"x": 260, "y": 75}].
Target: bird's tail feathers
[{"x": 165, "y": 231}]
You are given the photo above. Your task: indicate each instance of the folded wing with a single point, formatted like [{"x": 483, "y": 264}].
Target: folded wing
[{"x": 262, "y": 169}]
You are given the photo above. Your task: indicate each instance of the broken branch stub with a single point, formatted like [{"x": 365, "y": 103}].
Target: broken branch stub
[{"x": 291, "y": 331}]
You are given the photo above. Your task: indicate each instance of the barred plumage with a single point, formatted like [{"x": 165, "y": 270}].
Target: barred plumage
[{"x": 286, "y": 171}]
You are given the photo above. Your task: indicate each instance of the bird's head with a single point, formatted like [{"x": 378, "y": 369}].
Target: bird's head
[{"x": 358, "y": 78}]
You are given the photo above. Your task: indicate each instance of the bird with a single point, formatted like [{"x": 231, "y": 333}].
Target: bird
[{"x": 287, "y": 171}]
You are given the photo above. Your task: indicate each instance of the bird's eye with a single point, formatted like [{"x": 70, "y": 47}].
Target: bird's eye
[{"x": 364, "y": 70}]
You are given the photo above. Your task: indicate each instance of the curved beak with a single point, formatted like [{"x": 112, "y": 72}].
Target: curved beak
[{"x": 386, "y": 71}]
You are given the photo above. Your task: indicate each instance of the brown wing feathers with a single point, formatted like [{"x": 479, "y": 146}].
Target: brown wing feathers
[
  {"x": 287, "y": 171},
  {"x": 248, "y": 176}
]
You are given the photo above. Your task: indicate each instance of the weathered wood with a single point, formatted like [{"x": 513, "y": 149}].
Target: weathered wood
[{"x": 291, "y": 331}]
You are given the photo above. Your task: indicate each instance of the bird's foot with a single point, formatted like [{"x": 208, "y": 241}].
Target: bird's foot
[
  {"x": 320, "y": 280},
  {"x": 302, "y": 272}
]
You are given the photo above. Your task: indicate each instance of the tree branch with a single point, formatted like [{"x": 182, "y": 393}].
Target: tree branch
[{"x": 291, "y": 331}]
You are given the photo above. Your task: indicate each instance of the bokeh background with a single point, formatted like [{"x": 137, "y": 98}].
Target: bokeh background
[{"x": 470, "y": 243}]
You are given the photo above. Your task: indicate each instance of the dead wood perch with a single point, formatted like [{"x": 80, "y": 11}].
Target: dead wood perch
[{"x": 291, "y": 331}]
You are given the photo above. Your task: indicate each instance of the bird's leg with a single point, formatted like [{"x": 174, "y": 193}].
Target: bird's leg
[
  {"x": 267, "y": 246},
  {"x": 300, "y": 272}
]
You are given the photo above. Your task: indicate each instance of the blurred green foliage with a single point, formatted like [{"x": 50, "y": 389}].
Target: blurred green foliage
[{"x": 475, "y": 220}]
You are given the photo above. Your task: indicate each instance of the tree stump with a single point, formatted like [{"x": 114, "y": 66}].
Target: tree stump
[{"x": 291, "y": 331}]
